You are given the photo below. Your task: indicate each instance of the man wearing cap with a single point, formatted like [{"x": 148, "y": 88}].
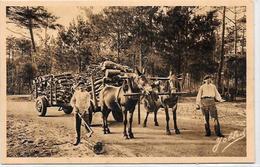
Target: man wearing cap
[
  {"x": 206, "y": 97},
  {"x": 80, "y": 102}
]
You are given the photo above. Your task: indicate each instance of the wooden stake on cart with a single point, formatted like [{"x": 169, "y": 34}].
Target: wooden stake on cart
[
  {"x": 36, "y": 90},
  {"x": 93, "y": 92},
  {"x": 138, "y": 110},
  {"x": 51, "y": 92}
]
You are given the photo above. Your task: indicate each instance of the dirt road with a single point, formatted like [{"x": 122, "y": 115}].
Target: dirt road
[{"x": 31, "y": 136}]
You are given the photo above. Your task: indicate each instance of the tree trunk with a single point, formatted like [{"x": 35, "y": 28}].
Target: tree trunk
[
  {"x": 79, "y": 64},
  {"x": 236, "y": 62},
  {"x": 141, "y": 58},
  {"x": 222, "y": 50},
  {"x": 228, "y": 85},
  {"x": 236, "y": 79},
  {"x": 118, "y": 45},
  {"x": 153, "y": 70},
  {"x": 31, "y": 30},
  {"x": 179, "y": 64},
  {"x": 134, "y": 61},
  {"x": 32, "y": 38}
]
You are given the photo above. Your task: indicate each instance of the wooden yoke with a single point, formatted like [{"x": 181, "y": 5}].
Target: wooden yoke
[
  {"x": 158, "y": 78},
  {"x": 159, "y": 93}
]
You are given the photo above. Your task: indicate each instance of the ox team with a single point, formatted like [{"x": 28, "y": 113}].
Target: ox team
[{"x": 207, "y": 94}]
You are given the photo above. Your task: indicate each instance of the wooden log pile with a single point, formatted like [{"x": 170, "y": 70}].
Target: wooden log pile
[
  {"x": 40, "y": 84},
  {"x": 60, "y": 88},
  {"x": 57, "y": 88}
]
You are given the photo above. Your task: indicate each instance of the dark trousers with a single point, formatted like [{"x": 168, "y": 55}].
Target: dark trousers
[
  {"x": 78, "y": 121},
  {"x": 78, "y": 125},
  {"x": 209, "y": 110}
]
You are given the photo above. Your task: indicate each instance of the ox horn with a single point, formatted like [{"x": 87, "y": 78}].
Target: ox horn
[
  {"x": 170, "y": 72},
  {"x": 144, "y": 70},
  {"x": 138, "y": 72}
]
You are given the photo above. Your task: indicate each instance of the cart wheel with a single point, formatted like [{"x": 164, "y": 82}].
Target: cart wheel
[
  {"x": 41, "y": 105},
  {"x": 67, "y": 110},
  {"x": 118, "y": 116}
]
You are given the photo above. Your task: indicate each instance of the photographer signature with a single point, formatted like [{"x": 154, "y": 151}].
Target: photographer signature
[{"x": 231, "y": 139}]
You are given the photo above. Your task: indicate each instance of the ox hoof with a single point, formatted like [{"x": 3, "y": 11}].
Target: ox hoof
[
  {"x": 108, "y": 131},
  {"x": 125, "y": 135},
  {"x": 156, "y": 124},
  {"x": 144, "y": 125},
  {"x": 131, "y": 135},
  {"x": 168, "y": 133},
  {"x": 207, "y": 134},
  {"x": 177, "y": 131},
  {"x": 220, "y": 135}
]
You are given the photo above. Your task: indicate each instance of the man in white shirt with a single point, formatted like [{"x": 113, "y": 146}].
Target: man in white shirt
[
  {"x": 80, "y": 102},
  {"x": 205, "y": 100}
]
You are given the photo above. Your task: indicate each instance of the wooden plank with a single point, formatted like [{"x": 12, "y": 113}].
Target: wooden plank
[
  {"x": 51, "y": 101},
  {"x": 36, "y": 90},
  {"x": 132, "y": 94},
  {"x": 158, "y": 78},
  {"x": 93, "y": 92},
  {"x": 160, "y": 93},
  {"x": 168, "y": 93},
  {"x": 139, "y": 111}
]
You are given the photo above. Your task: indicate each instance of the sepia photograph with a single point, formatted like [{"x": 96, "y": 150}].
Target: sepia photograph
[{"x": 105, "y": 83}]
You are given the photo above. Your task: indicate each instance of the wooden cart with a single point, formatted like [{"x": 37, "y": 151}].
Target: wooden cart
[{"x": 53, "y": 91}]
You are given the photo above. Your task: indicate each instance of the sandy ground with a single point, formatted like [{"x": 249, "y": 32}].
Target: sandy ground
[{"x": 52, "y": 136}]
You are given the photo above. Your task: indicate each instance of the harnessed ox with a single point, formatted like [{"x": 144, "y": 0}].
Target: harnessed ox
[
  {"x": 113, "y": 98},
  {"x": 164, "y": 101}
]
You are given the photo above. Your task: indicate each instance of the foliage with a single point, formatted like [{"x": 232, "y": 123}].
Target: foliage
[
  {"x": 159, "y": 38},
  {"x": 74, "y": 47},
  {"x": 31, "y": 18}
]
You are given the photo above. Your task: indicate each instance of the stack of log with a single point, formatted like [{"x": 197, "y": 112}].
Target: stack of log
[
  {"x": 98, "y": 84},
  {"x": 57, "y": 88},
  {"x": 40, "y": 84},
  {"x": 62, "y": 88}
]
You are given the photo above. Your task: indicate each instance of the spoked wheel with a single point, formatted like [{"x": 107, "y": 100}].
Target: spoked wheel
[
  {"x": 118, "y": 116},
  {"x": 41, "y": 105},
  {"x": 67, "y": 110}
]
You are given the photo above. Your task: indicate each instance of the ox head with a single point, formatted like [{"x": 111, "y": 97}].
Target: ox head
[
  {"x": 136, "y": 83},
  {"x": 149, "y": 95},
  {"x": 174, "y": 82},
  {"x": 142, "y": 82}
]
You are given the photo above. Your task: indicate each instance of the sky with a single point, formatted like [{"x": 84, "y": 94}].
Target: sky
[{"x": 67, "y": 13}]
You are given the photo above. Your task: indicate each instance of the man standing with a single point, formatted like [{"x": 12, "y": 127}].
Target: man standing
[
  {"x": 206, "y": 97},
  {"x": 80, "y": 102}
]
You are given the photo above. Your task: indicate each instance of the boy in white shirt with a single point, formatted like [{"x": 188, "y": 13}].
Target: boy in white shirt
[{"x": 80, "y": 102}]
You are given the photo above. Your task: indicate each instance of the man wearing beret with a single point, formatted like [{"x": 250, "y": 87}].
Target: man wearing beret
[
  {"x": 80, "y": 102},
  {"x": 205, "y": 100}
]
